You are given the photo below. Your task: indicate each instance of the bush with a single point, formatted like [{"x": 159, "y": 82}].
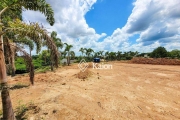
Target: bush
[
  {"x": 37, "y": 63},
  {"x": 159, "y": 52},
  {"x": 20, "y": 65},
  {"x": 129, "y": 57}
]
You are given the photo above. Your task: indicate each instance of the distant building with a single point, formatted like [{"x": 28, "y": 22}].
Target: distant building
[
  {"x": 64, "y": 61},
  {"x": 146, "y": 56}
]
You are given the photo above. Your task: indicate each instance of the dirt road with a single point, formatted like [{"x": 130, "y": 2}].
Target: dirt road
[{"x": 127, "y": 91}]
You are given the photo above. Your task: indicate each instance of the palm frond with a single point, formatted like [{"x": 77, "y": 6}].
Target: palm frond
[
  {"x": 39, "y": 5},
  {"x": 68, "y": 47},
  {"x": 14, "y": 6},
  {"x": 8, "y": 50},
  {"x": 36, "y": 33},
  {"x": 32, "y": 30},
  {"x": 28, "y": 61},
  {"x": 11, "y": 48},
  {"x": 27, "y": 41}
]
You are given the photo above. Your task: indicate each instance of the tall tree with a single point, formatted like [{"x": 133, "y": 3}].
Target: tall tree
[
  {"x": 107, "y": 55},
  {"x": 68, "y": 51},
  {"x": 58, "y": 43},
  {"x": 32, "y": 30},
  {"x": 112, "y": 55},
  {"x": 21, "y": 42},
  {"x": 174, "y": 53},
  {"x": 72, "y": 54},
  {"x": 56, "y": 40},
  {"x": 82, "y": 50},
  {"x": 119, "y": 54},
  {"x": 96, "y": 54},
  {"x": 101, "y": 53},
  {"x": 89, "y": 52},
  {"x": 159, "y": 52},
  {"x": 44, "y": 55}
]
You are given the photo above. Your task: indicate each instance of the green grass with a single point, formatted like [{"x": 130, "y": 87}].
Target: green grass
[
  {"x": 22, "y": 108},
  {"x": 20, "y": 111},
  {"x": 42, "y": 69}
]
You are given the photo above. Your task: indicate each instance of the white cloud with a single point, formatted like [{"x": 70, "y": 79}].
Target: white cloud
[
  {"x": 70, "y": 22},
  {"x": 157, "y": 22}
]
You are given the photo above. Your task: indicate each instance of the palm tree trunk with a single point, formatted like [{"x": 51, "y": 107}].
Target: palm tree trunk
[
  {"x": 51, "y": 61},
  {"x": 8, "y": 113},
  {"x": 52, "y": 66},
  {"x": 13, "y": 69},
  {"x": 13, "y": 65},
  {"x": 68, "y": 59}
]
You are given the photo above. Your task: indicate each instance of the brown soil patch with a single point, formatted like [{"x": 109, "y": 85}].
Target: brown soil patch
[
  {"x": 85, "y": 74},
  {"x": 128, "y": 91},
  {"x": 155, "y": 61}
]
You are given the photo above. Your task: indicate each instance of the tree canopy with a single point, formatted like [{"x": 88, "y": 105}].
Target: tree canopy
[{"x": 159, "y": 52}]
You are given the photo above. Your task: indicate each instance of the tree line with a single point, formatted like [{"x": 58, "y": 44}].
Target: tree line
[
  {"x": 159, "y": 52},
  {"x": 43, "y": 59}
]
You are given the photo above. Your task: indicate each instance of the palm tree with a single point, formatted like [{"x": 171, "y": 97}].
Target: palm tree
[
  {"x": 63, "y": 54},
  {"x": 58, "y": 43},
  {"x": 136, "y": 53},
  {"x": 45, "y": 56},
  {"x": 82, "y": 50},
  {"x": 56, "y": 40},
  {"x": 119, "y": 54},
  {"x": 89, "y": 52},
  {"x": 72, "y": 54},
  {"x": 25, "y": 41},
  {"x": 125, "y": 54},
  {"x": 96, "y": 54},
  {"x": 32, "y": 30},
  {"x": 67, "y": 49},
  {"x": 21, "y": 42},
  {"x": 101, "y": 53},
  {"x": 107, "y": 55},
  {"x": 112, "y": 55}
]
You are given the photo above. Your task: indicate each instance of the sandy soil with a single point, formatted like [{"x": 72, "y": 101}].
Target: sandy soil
[{"x": 128, "y": 91}]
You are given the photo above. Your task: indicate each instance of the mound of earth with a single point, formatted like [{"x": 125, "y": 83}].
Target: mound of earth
[
  {"x": 155, "y": 61},
  {"x": 84, "y": 75}
]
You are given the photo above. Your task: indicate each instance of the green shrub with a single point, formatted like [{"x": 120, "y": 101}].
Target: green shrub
[
  {"x": 37, "y": 63},
  {"x": 42, "y": 69},
  {"x": 159, "y": 52},
  {"x": 20, "y": 65}
]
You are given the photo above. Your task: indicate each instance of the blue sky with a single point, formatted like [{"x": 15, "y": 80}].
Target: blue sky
[
  {"x": 114, "y": 25},
  {"x": 106, "y": 16}
]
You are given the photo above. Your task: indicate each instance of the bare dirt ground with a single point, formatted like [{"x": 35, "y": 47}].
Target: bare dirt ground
[{"x": 128, "y": 91}]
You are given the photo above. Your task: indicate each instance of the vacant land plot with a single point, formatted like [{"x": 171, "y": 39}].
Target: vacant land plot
[{"x": 127, "y": 91}]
